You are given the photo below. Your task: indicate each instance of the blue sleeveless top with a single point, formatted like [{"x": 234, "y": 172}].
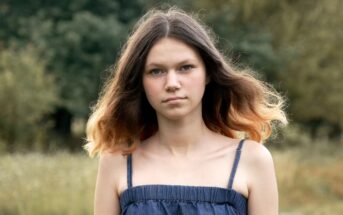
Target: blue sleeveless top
[{"x": 181, "y": 199}]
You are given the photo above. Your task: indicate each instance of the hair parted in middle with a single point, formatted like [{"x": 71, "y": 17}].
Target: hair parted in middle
[{"x": 234, "y": 101}]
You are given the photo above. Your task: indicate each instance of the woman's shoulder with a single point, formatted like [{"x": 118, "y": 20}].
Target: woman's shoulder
[
  {"x": 112, "y": 159},
  {"x": 256, "y": 153},
  {"x": 113, "y": 162},
  {"x": 258, "y": 162},
  {"x": 112, "y": 165},
  {"x": 252, "y": 152}
]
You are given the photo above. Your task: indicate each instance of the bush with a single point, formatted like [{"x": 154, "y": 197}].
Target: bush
[{"x": 27, "y": 94}]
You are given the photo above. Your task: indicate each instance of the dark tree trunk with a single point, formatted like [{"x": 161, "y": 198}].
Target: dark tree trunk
[
  {"x": 62, "y": 129},
  {"x": 62, "y": 118}
]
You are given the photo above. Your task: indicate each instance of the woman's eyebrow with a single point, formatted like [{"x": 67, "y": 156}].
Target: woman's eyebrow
[{"x": 156, "y": 64}]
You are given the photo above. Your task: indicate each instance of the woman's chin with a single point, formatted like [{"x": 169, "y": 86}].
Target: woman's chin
[
  {"x": 173, "y": 116},
  {"x": 176, "y": 115}
]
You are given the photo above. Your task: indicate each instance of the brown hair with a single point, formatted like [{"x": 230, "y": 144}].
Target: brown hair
[{"x": 234, "y": 101}]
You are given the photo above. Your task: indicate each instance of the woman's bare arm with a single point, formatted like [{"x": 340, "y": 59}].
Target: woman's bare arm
[
  {"x": 106, "y": 201},
  {"x": 263, "y": 191}
]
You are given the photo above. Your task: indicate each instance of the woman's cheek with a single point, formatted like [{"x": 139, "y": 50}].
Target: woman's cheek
[{"x": 152, "y": 96}]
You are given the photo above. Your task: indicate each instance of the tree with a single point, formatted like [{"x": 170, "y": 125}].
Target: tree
[
  {"x": 240, "y": 36},
  {"x": 78, "y": 40},
  {"x": 295, "y": 44},
  {"x": 309, "y": 33},
  {"x": 27, "y": 94}
]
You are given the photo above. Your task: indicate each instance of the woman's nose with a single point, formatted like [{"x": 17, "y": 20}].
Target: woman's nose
[{"x": 172, "y": 81}]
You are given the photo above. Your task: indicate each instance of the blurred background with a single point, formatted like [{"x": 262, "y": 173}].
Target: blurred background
[{"x": 55, "y": 56}]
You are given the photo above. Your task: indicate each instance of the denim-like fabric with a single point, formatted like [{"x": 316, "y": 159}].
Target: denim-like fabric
[{"x": 188, "y": 200}]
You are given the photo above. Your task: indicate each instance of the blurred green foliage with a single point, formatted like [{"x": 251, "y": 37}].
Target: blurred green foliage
[
  {"x": 295, "y": 45},
  {"x": 26, "y": 94}
]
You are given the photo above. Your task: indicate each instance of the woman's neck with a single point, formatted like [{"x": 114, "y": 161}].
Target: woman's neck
[{"x": 179, "y": 137}]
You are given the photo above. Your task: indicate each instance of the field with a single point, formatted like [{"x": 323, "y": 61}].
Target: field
[{"x": 310, "y": 182}]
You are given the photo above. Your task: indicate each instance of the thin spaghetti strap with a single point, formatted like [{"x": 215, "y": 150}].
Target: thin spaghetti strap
[
  {"x": 235, "y": 163},
  {"x": 129, "y": 170}
]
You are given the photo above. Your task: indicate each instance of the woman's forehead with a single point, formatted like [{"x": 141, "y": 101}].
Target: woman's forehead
[{"x": 171, "y": 50}]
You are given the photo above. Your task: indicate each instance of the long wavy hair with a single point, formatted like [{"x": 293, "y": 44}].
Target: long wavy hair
[{"x": 234, "y": 101}]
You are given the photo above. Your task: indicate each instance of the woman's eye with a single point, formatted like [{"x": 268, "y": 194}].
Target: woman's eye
[
  {"x": 186, "y": 67},
  {"x": 155, "y": 72}
]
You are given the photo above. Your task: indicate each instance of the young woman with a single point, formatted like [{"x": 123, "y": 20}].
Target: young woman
[{"x": 170, "y": 123}]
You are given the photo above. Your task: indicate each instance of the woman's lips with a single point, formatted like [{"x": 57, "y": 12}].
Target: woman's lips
[{"x": 170, "y": 99}]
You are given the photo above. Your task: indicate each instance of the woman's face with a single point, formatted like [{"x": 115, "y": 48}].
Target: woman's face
[{"x": 174, "y": 79}]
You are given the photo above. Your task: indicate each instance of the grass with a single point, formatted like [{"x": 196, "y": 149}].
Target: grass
[
  {"x": 310, "y": 182},
  {"x": 40, "y": 184}
]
